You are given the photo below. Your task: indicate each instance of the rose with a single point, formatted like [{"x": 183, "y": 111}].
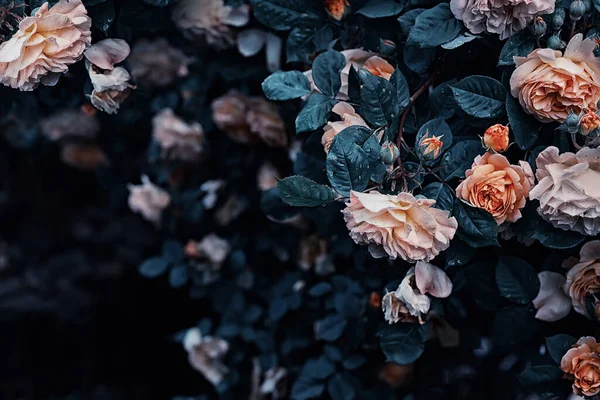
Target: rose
[
  {"x": 178, "y": 139},
  {"x": 155, "y": 63},
  {"x": 549, "y": 85},
  {"x": 399, "y": 225},
  {"x": 589, "y": 123},
  {"x": 498, "y": 16},
  {"x": 498, "y": 187},
  {"x": 568, "y": 189},
  {"x": 45, "y": 44},
  {"x": 496, "y": 138},
  {"x": 148, "y": 199},
  {"x": 583, "y": 280},
  {"x": 349, "y": 118},
  {"x": 582, "y": 363}
]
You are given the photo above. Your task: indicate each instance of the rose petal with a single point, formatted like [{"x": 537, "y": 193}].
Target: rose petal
[
  {"x": 431, "y": 279},
  {"x": 551, "y": 302}
]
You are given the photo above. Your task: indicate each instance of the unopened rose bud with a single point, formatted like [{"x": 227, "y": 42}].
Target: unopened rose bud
[
  {"x": 389, "y": 153},
  {"x": 554, "y": 42},
  {"x": 431, "y": 146},
  {"x": 538, "y": 27},
  {"x": 572, "y": 122},
  {"x": 589, "y": 123},
  {"x": 558, "y": 18},
  {"x": 338, "y": 9},
  {"x": 496, "y": 138},
  {"x": 577, "y": 10}
]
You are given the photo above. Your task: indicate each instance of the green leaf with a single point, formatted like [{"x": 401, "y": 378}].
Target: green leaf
[
  {"x": 379, "y": 104},
  {"x": 282, "y": 15},
  {"x": 515, "y": 324},
  {"x": 402, "y": 90},
  {"x": 434, "y": 27},
  {"x": 459, "y": 159},
  {"x": 330, "y": 328},
  {"x": 315, "y": 113},
  {"x": 520, "y": 44},
  {"x": 305, "y": 388},
  {"x": 178, "y": 275},
  {"x": 555, "y": 238},
  {"x": 286, "y": 85},
  {"x": 525, "y": 128},
  {"x": 299, "y": 191},
  {"x": 402, "y": 343},
  {"x": 517, "y": 280},
  {"x": 540, "y": 374},
  {"x": 303, "y": 41},
  {"x": 154, "y": 267},
  {"x": 459, "y": 254},
  {"x": 339, "y": 388},
  {"x": 558, "y": 345},
  {"x": 103, "y": 14},
  {"x": 480, "y": 96},
  {"x": 347, "y": 166},
  {"x": 476, "y": 227},
  {"x": 407, "y": 20},
  {"x": 442, "y": 194},
  {"x": 380, "y": 8},
  {"x": 418, "y": 60},
  {"x": 326, "y": 72},
  {"x": 458, "y": 41}
]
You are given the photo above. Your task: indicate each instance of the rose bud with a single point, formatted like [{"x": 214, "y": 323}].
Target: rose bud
[
  {"x": 496, "y": 138},
  {"x": 589, "y": 123},
  {"x": 555, "y": 43},
  {"x": 558, "y": 19},
  {"x": 387, "y": 47},
  {"x": 572, "y": 122},
  {"x": 431, "y": 146},
  {"x": 577, "y": 10},
  {"x": 389, "y": 153},
  {"x": 538, "y": 27},
  {"x": 337, "y": 9}
]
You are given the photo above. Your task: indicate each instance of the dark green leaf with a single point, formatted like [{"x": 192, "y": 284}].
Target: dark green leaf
[
  {"x": 103, "y": 15},
  {"x": 320, "y": 289},
  {"x": 517, "y": 280},
  {"x": 417, "y": 59},
  {"x": 299, "y": 191},
  {"x": 339, "y": 388},
  {"x": 520, "y": 44},
  {"x": 434, "y": 27},
  {"x": 555, "y": 238},
  {"x": 480, "y": 96},
  {"x": 402, "y": 90},
  {"x": 540, "y": 374},
  {"x": 407, "y": 20},
  {"x": 459, "y": 158},
  {"x": 286, "y": 85},
  {"x": 476, "y": 227},
  {"x": 380, "y": 8},
  {"x": 330, "y": 328},
  {"x": 378, "y": 100},
  {"x": 154, "y": 267},
  {"x": 459, "y": 254},
  {"x": 307, "y": 389},
  {"x": 402, "y": 343},
  {"x": 315, "y": 113},
  {"x": 304, "y": 41},
  {"x": 178, "y": 275},
  {"x": 282, "y": 15},
  {"x": 458, "y": 41},
  {"x": 524, "y": 126},
  {"x": 515, "y": 324},
  {"x": 326, "y": 72},
  {"x": 318, "y": 368},
  {"x": 558, "y": 345},
  {"x": 442, "y": 194}
]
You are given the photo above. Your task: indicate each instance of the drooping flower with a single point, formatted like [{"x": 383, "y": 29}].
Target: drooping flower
[
  {"x": 498, "y": 187},
  {"x": 148, "y": 199},
  {"x": 206, "y": 354},
  {"x": 582, "y": 364},
  {"x": 496, "y": 138},
  {"x": 501, "y": 17},
  {"x": 349, "y": 118},
  {"x": 45, "y": 45},
  {"x": 178, "y": 139},
  {"x": 155, "y": 63},
  {"x": 583, "y": 281},
  {"x": 399, "y": 225},
  {"x": 549, "y": 85},
  {"x": 568, "y": 189}
]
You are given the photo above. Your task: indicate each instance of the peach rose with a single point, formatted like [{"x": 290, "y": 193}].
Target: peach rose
[
  {"x": 496, "y": 138},
  {"x": 568, "y": 189},
  {"x": 498, "y": 187},
  {"x": 337, "y": 8},
  {"x": 359, "y": 58},
  {"x": 399, "y": 225},
  {"x": 178, "y": 139},
  {"x": 582, "y": 364},
  {"x": 349, "y": 118},
  {"x": 45, "y": 44},
  {"x": 583, "y": 280},
  {"x": 589, "y": 123},
  {"x": 549, "y": 84},
  {"x": 431, "y": 146}
]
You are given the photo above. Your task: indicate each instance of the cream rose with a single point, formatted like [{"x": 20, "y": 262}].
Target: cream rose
[
  {"x": 582, "y": 364},
  {"x": 45, "y": 44},
  {"x": 349, "y": 118},
  {"x": 583, "y": 280},
  {"x": 399, "y": 225},
  {"x": 502, "y": 17},
  {"x": 498, "y": 187},
  {"x": 568, "y": 189},
  {"x": 549, "y": 84}
]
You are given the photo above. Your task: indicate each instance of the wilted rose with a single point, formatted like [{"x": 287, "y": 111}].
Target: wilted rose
[
  {"x": 582, "y": 364},
  {"x": 496, "y": 138},
  {"x": 178, "y": 139},
  {"x": 399, "y": 225},
  {"x": 583, "y": 281},
  {"x": 155, "y": 63},
  {"x": 498, "y": 187},
  {"x": 568, "y": 189},
  {"x": 45, "y": 44},
  {"x": 549, "y": 85},
  {"x": 349, "y": 118},
  {"x": 148, "y": 199},
  {"x": 498, "y": 16}
]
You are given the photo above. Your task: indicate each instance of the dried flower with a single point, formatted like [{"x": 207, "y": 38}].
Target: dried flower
[
  {"x": 349, "y": 118},
  {"x": 148, "y": 199},
  {"x": 582, "y": 364},
  {"x": 206, "y": 354},
  {"x": 498, "y": 187},
  {"x": 496, "y": 138},
  {"x": 589, "y": 123},
  {"x": 399, "y": 226},
  {"x": 210, "y": 21},
  {"x": 583, "y": 281},
  {"x": 178, "y": 139},
  {"x": 70, "y": 123},
  {"x": 567, "y": 189},
  {"x": 504, "y": 18},
  {"x": 45, "y": 45},
  {"x": 155, "y": 63},
  {"x": 549, "y": 85}
]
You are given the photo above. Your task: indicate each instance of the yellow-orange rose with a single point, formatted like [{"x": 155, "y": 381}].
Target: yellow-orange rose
[
  {"x": 496, "y": 138},
  {"x": 399, "y": 225},
  {"x": 583, "y": 280},
  {"x": 496, "y": 186},
  {"x": 349, "y": 118},
  {"x": 45, "y": 44},
  {"x": 549, "y": 84},
  {"x": 582, "y": 363}
]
